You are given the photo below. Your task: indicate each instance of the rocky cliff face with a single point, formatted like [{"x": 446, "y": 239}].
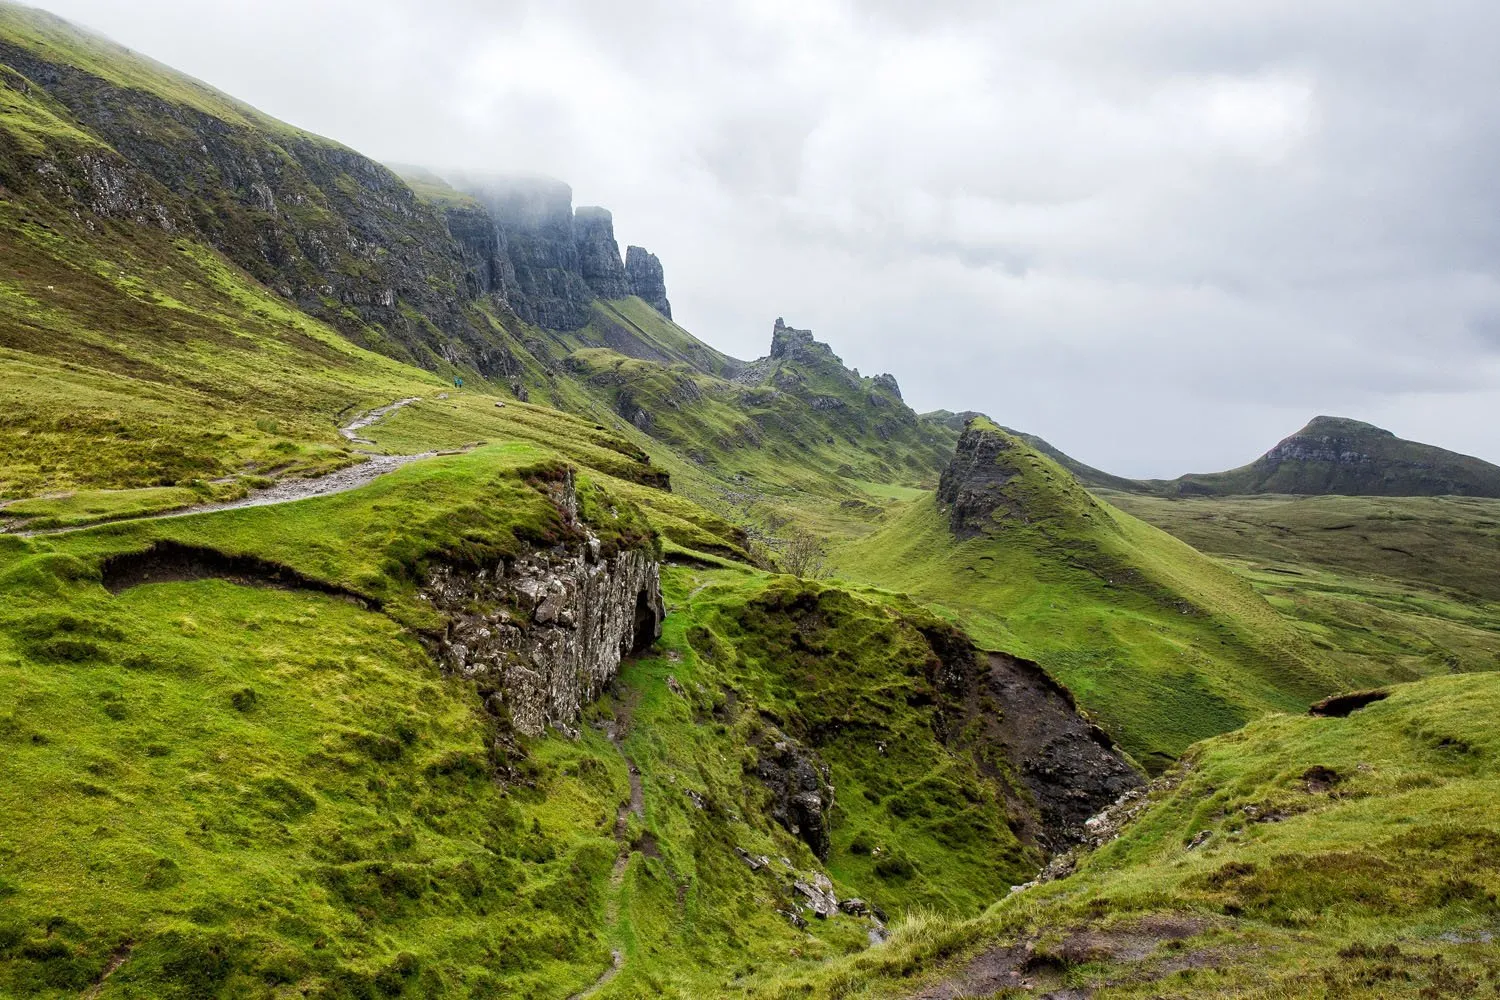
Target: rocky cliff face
[
  {"x": 647, "y": 281},
  {"x": 995, "y": 477},
  {"x": 1336, "y": 442},
  {"x": 533, "y": 223},
  {"x": 598, "y": 253},
  {"x": 1069, "y": 765},
  {"x": 801, "y": 790},
  {"x": 561, "y": 260},
  {"x": 544, "y": 634}
]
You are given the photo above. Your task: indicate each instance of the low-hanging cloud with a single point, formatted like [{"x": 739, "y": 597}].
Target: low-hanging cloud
[{"x": 1160, "y": 234}]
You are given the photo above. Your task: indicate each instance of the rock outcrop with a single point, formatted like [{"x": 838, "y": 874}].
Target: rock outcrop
[
  {"x": 972, "y": 486},
  {"x": 547, "y": 261},
  {"x": 544, "y": 634},
  {"x": 801, "y": 793},
  {"x": 1069, "y": 765},
  {"x": 790, "y": 344},
  {"x": 887, "y": 382},
  {"x": 533, "y": 222},
  {"x": 647, "y": 280},
  {"x": 996, "y": 480}
]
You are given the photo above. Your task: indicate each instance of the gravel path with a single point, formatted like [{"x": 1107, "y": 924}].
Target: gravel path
[
  {"x": 351, "y": 430},
  {"x": 289, "y": 490}
]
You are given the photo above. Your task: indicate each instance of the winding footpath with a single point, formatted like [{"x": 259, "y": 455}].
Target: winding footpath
[
  {"x": 634, "y": 806},
  {"x": 286, "y": 490}
]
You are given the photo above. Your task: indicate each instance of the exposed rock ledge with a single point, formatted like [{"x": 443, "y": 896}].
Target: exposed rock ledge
[{"x": 543, "y": 635}]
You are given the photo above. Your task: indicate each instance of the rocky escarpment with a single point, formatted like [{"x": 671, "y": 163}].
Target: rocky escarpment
[
  {"x": 1069, "y": 765},
  {"x": 551, "y": 261},
  {"x": 598, "y": 253},
  {"x": 1005, "y": 708},
  {"x": 543, "y": 634},
  {"x": 996, "y": 478},
  {"x": 647, "y": 281},
  {"x": 532, "y": 219},
  {"x": 339, "y": 235}
]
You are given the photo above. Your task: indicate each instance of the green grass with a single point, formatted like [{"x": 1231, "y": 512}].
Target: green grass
[
  {"x": 258, "y": 788},
  {"x": 249, "y": 791},
  {"x": 131, "y": 359},
  {"x": 89, "y": 506},
  {"x": 1449, "y": 544},
  {"x": 322, "y": 813},
  {"x": 1378, "y": 880},
  {"x": 1389, "y": 588}
]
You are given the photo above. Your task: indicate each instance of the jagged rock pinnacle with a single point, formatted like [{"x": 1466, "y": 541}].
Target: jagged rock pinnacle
[{"x": 643, "y": 272}]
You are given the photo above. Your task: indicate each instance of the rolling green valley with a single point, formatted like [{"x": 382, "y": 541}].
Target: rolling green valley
[{"x": 396, "y": 601}]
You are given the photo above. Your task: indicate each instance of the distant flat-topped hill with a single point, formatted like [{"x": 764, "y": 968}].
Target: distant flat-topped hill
[{"x": 1330, "y": 456}]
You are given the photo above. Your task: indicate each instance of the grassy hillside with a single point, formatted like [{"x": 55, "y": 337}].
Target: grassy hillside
[
  {"x": 1339, "y": 455},
  {"x": 1162, "y": 645},
  {"x": 1391, "y": 588},
  {"x": 244, "y": 775},
  {"x": 132, "y": 359},
  {"x": 1301, "y": 856},
  {"x": 323, "y": 809}
]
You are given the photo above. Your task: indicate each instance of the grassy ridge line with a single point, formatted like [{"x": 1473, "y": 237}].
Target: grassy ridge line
[
  {"x": 57, "y": 40},
  {"x": 1299, "y": 857},
  {"x": 1161, "y": 644}
]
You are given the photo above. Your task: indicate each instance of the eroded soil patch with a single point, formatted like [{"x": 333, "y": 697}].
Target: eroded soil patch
[{"x": 173, "y": 562}]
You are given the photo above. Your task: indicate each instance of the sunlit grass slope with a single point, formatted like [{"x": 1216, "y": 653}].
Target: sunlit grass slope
[
  {"x": 129, "y": 358},
  {"x": 266, "y": 789}
]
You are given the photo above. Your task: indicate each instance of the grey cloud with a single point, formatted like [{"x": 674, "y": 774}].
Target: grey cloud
[{"x": 1160, "y": 233}]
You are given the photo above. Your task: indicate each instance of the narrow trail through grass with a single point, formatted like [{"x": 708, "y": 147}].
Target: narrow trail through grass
[
  {"x": 350, "y": 431},
  {"x": 635, "y": 806},
  {"x": 285, "y": 491}
]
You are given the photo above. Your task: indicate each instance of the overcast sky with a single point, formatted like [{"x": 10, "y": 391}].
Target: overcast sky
[{"x": 1160, "y": 234}]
